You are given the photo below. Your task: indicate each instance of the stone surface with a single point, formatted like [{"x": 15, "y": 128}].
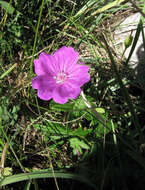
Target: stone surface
[
  {"x": 137, "y": 61},
  {"x": 123, "y": 30}
]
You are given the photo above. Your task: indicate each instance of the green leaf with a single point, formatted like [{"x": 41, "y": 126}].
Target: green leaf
[
  {"x": 7, "y": 7},
  {"x": 128, "y": 41},
  {"x": 77, "y": 145},
  {"x": 7, "y": 171},
  {"x": 79, "y": 107},
  {"x": 100, "y": 110},
  {"x": 79, "y": 104},
  {"x": 81, "y": 132},
  {"x": 61, "y": 107},
  {"x": 44, "y": 174}
]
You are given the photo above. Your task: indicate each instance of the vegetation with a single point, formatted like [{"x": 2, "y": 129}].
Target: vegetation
[{"x": 93, "y": 142}]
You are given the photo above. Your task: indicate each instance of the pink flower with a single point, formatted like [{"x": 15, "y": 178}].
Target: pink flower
[{"x": 59, "y": 76}]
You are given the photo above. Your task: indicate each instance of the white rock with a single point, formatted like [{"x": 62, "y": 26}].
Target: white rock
[
  {"x": 137, "y": 61},
  {"x": 123, "y": 30}
]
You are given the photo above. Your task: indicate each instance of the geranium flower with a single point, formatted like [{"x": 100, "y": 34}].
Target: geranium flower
[{"x": 59, "y": 76}]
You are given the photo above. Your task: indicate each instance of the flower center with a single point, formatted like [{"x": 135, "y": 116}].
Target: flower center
[{"x": 60, "y": 78}]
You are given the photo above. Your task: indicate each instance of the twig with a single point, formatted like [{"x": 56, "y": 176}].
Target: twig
[
  {"x": 51, "y": 165},
  {"x": 3, "y": 158}
]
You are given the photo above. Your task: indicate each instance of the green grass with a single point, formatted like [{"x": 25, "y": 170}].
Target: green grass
[{"x": 93, "y": 142}]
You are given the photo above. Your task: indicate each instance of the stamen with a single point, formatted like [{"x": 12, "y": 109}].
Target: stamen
[{"x": 60, "y": 78}]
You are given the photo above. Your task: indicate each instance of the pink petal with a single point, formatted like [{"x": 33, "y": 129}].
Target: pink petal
[
  {"x": 44, "y": 94},
  {"x": 79, "y": 75},
  {"x": 80, "y": 81},
  {"x": 65, "y": 91},
  {"x": 71, "y": 90},
  {"x": 45, "y": 64},
  {"x": 43, "y": 82},
  {"x": 77, "y": 69},
  {"x": 74, "y": 94},
  {"x": 65, "y": 58},
  {"x": 59, "y": 95}
]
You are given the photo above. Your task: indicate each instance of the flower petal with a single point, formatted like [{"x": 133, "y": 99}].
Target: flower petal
[
  {"x": 65, "y": 91},
  {"x": 45, "y": 64},
  {"x": 71, "y": 90},
  {"x": 77, "y": 68},
  {"x": 75, "y": 93},
  {"x": 44, "y": 82},
  {"x": 44, "y": 94},
  {"x": 79, "y": 75},
  {"x": 80, "y": 81},
  {"x": 65, "y": 58},
  {"x": 60, "y": 95}
]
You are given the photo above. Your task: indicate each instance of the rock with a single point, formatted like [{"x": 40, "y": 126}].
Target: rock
[{"x": 125, "y": 28}]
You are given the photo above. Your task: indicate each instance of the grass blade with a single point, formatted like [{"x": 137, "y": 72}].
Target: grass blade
[
  {"x": 139, "y": 28},
  {"x": 27, "y": 185},
  {"x": 8, "y": 71},
  {"x": 44, "y": 174},
  {"x": 85, "y": 7},
  {"x": 108, "y": 6},
  {"x": 138, "y": 31},
  {"x": 124, "y": 90},
  {"x": 35, "y": 40}
]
